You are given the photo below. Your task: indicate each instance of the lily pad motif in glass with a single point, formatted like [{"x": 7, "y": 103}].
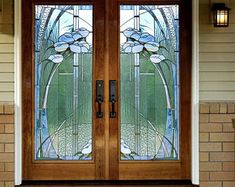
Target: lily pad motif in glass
[
  {"x": 149, "y": 69},
  {"x": 63, "y": 82}
]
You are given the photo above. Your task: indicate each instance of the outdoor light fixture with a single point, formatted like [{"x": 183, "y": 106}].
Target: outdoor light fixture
[{"x": 220, "y": 15}]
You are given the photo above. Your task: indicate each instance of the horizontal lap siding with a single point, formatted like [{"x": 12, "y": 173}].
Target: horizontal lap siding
[
  {"x": 7, "y": 52},
  {"x": 217, "y": 55}
]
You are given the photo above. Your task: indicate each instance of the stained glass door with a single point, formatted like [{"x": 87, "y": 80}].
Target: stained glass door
[
  {"x": 62, "y": 58},
  {"x": 153, "y": 69},
  {"x": 106, "y": 91}
]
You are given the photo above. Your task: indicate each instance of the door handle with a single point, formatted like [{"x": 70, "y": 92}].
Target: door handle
[
  {"x": 99, "y": 97},
  {"x": 113, "y": 97}
]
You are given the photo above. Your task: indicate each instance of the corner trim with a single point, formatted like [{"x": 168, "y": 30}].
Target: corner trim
[
  {"x": 18, "y": 87},
  {"x": 195, "y": 93}
]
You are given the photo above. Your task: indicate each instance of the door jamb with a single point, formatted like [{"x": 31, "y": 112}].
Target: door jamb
[
  {"x": 195, "y": 94},
  {"x": 18, "y": 92}
]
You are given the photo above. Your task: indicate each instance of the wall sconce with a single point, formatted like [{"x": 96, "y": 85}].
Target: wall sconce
[{"x": 220, "y": 15}]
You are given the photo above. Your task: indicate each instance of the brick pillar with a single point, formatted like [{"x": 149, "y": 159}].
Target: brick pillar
[
  {"x": 217, "y": 159},
  {"x": 6, "y": 145}
]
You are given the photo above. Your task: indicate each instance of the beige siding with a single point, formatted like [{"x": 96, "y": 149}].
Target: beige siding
[
  {"x": 7, "y": 52},
  {"x": 7, "y": 77},
  {"x": 217, "y": 55}
]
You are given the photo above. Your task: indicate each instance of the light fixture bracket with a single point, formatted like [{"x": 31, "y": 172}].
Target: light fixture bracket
[
  {"x": 220, "y": 15},
  {"x": 1, "y": 6}
]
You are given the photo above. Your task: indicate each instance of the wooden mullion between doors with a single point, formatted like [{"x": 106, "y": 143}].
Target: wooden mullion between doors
[
  {"x": 112, "y": 53},
  {"x": 99, "y": 74}
]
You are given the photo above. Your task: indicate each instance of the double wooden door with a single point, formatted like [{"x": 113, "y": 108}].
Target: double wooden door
[{"x": 106, "y": 89}]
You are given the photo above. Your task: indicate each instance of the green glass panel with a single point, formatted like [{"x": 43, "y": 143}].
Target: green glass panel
[
  {"x": 63, "y": 82},
  {"x": 149, "y": 60}
]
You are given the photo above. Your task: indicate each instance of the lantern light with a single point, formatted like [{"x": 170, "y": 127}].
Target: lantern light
[{"x": 220, "y": 15}]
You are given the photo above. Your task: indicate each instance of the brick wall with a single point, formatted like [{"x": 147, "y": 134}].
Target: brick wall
[
  {"x": 217, "y": 158},
  {"x": 6, "y": 145}
]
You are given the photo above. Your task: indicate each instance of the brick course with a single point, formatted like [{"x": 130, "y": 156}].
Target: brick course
[
  {"x": 217, "y": 140},
  {"x": 6, "y": 145}
]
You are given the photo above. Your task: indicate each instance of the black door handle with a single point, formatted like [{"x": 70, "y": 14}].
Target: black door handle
[
  {"x": 99, "y": 97},
  {"x": 113, "y": 97}
]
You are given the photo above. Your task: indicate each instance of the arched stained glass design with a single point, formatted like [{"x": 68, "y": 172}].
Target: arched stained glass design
[
  {"x": 149, "y": 60},
  {"x": 63, "y": 82}
]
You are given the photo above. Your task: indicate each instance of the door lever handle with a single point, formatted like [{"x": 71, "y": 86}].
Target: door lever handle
[
  {"x": 113, "y": 97},
  {"x": 99, "y": 97}
]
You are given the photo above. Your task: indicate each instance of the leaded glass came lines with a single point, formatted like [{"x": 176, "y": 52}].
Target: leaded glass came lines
[
  {"x": 63, "y": 82},
  {"x": 149, "y": 82}
]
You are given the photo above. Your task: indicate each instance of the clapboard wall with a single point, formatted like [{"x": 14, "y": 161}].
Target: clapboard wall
[
  {"x": 217, "y": 55},
  {"x": 6, "y": 52}
]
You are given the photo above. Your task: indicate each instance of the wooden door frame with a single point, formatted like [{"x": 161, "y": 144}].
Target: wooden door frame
[
  {"x": 111, "y": 131},
  {"x": 129, "y": 170},
  {"x": 49, "y": 170},
  {"x": 18, "y": 93}
]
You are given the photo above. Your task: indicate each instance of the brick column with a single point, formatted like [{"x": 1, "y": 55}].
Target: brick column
[
  {"x": 6, "y": 145},
  {"x": 217, "y": 141}
]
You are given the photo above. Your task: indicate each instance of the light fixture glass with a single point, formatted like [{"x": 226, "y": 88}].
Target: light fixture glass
[{"x": 220, "y": 15}]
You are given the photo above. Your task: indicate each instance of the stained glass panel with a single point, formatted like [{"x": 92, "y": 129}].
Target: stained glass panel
[
  {"x": 149, "y": 60},
  {"x": 63, "y": 82}
]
